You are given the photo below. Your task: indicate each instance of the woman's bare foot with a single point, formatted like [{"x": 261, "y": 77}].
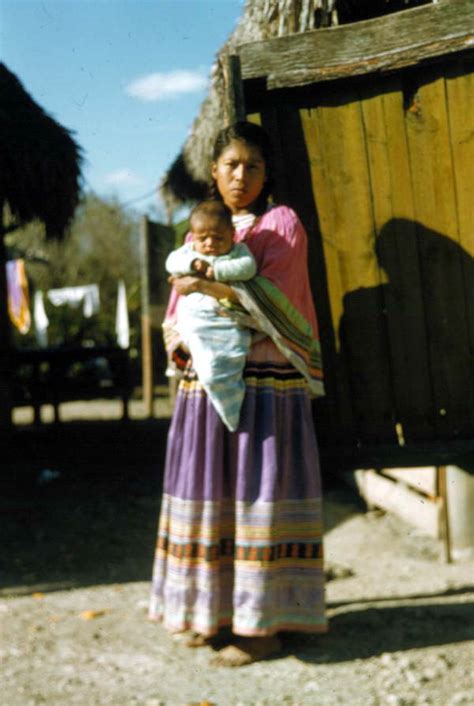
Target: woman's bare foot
[{"x": 247, "y": 650}]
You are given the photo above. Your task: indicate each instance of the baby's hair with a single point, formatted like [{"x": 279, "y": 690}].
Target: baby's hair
[{"x": 212, "y": 208}]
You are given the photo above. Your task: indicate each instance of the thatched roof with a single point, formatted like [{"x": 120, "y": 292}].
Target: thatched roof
[
  {"x": 187, "y": 177},
  {"x": 39, "y": 160}
]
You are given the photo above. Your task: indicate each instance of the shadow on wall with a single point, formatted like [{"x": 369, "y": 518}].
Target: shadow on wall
[{"x": 407, "y": 345}]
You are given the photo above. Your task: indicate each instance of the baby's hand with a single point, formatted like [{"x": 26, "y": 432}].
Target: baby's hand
[
  {"x": 200, "y": 266},
  {"x": 209, "y": 272}
]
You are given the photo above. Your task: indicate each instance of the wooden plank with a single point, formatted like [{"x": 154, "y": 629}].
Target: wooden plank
[
  {"x": 389, "y": 495},
  {"x": 269, "y": 122},
  {"x": 282, "y": 120},
  {"x": 290, "y": 162},
  {"x": 234, "y": 106},
  {"x": 459, "y": 484},
  {"x": 254, "y": 118},
  {"x": 349, "y": 215},
  {"x": 444, "y": 528},
  {"x": 441, "y": 256},
  {"x": 147, "y": 349},
  {"x": 424, "y": 479},
  {"x": 382, "y": 44},
  {"x": 397, "y": 254},
  {"x": 344, "y": 428},
  {"x": 324, "y": 197},
  {"x": 460, "y": 100}
]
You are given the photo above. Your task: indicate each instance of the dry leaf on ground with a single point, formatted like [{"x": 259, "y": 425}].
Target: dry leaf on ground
[{"x": 92, "y": 614}]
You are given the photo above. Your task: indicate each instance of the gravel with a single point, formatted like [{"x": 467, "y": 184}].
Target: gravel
[{"x": 76, "y": 562}]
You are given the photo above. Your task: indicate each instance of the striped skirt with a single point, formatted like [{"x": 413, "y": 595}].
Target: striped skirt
[{"x": 240, "y": 534}]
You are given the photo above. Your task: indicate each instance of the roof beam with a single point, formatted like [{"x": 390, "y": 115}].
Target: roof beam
[{"x": 383, "y": 44}]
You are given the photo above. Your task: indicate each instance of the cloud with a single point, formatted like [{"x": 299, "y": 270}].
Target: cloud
[
  {"x": 122, "y": 177},
  {"x": 160, "y": 86}
]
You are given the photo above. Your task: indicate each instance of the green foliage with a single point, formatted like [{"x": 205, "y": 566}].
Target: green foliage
[{"x": 101, "y": 248}]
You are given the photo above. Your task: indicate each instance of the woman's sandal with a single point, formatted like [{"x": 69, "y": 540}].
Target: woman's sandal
[
  {"x": 247, "y": 650},
  {"x": 196, "y": 639}
]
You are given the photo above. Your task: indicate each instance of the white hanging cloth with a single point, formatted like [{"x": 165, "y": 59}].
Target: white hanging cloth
[
  {"x": 87, "y": 295},
  {"x": 122, "y": 326},
  {"x": 41, "y": 320}
]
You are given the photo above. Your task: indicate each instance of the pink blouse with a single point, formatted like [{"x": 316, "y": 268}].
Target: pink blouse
[{"x": 278, "y": 242}]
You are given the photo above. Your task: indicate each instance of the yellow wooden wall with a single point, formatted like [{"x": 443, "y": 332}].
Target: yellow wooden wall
[{"x": 381, "y": 172}]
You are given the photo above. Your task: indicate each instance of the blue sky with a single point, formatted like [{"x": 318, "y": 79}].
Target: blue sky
[{"x": 127, "y": 76}]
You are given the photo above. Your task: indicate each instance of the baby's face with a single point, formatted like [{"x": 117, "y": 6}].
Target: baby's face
[{"x": 211, "y": 236}]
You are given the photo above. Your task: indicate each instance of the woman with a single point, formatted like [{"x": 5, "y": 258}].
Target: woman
[{"x": 240, "y": 536}]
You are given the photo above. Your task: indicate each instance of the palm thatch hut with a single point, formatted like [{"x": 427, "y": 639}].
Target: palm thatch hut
[
  {"x": 374, "y": 117},
  {"x": 40, "y": 166},
  {"x": 186, "y": 179},
  {"x": 372, "y": 124}
]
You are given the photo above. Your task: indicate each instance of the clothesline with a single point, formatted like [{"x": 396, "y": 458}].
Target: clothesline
[{"x": 86, "y": 295}]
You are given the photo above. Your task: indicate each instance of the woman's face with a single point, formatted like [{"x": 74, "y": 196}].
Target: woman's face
[{"x": 239, "y": 174}]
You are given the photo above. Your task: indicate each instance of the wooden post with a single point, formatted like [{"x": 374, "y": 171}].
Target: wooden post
[
  {"x": 147, "y": 349},
  {"x": 460, "y": 501},
  {"x": 5, "y": 347},
  {"x": 444, "y": 515},
  {"x": 234, "y": 104}
]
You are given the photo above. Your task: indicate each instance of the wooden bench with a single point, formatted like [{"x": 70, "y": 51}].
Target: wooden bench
[{"x": 66, "y": 373}]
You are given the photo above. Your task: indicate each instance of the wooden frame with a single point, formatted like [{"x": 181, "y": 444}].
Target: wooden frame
[
  {"x": 428, "y": 41},
  {"x": 234, "y": 106},
  {"x": 382, "y": 44}
]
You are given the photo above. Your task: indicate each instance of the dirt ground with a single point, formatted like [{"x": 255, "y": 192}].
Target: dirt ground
[{"x": 79, "y": 507}]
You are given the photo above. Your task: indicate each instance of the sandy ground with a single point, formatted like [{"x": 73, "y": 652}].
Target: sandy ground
[
  {"x": 98, "y": 410},
  {"x": 75, "y": 568}
]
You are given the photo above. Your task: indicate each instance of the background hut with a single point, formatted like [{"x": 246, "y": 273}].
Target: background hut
[
  {"x": 374, "y": 117},
  {"x": 372, "y": 123},
  {"x": 39, "y": 179},
  {"x": 376, "y": 120}
]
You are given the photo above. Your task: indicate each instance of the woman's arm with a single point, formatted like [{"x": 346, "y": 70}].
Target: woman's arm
[{"x": 189, "y": 284}]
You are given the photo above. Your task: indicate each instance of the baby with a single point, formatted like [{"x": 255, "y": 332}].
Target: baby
[{"x": 218, "y": 345}]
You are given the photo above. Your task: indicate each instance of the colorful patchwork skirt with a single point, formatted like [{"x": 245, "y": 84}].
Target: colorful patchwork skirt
[{"x": 240, "y": 533}]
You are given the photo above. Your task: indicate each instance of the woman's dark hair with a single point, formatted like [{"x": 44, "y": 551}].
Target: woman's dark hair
[{"x": 252, "y": 135}]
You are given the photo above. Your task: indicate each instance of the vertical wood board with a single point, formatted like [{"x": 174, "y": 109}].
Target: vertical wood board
[
  {"x": 313, "y": 135},
  {"x": 460, "y": 101},
  {"x": 390, "y": 165},
  {"x": 348, "y": 227},
  {"x": 397, "y": 254},
  {"x": 293, "y": 187},
  {"x": 440, "y": 253}
]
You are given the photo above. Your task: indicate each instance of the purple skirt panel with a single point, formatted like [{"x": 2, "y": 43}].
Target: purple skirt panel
[{"x": 240, "y": 533}]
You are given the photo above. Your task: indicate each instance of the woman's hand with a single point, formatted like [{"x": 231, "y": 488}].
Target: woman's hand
[{"x": 185, "y": 285}]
